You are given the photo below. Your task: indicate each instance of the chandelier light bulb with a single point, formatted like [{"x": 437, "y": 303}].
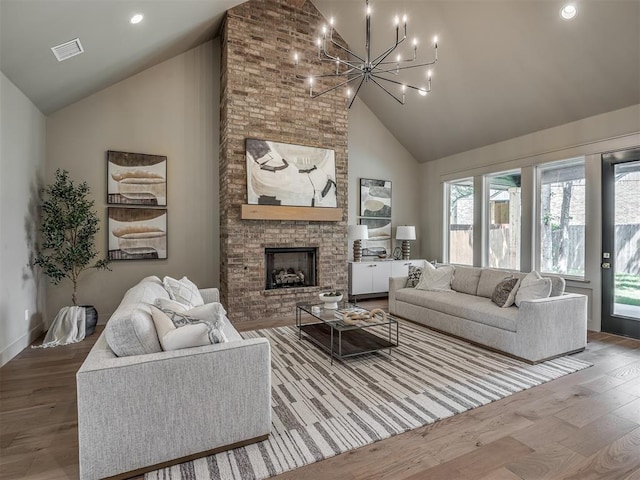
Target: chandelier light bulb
[
  {"x": 331, "y": 21},
  {"x": 415, "y": 42},
  {"x": 435, "y": 41},
  {"x": 429, "y": 74},
  {"x": 568, "y": 11},
  {"x": 368, "y": 11},
  {"x": 404, "y": 19},
  {"x": 319, "y": 42},
  {"x": 137, "y": 18},
  {"x": 349, "y": 92},
  {"x": 296, "y": 58},
  {"x": 397, "y": 20},
  {"x": 404, "y": 88}
]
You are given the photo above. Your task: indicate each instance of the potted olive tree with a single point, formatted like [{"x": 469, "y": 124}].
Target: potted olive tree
[{"x": 68, "y": 229}]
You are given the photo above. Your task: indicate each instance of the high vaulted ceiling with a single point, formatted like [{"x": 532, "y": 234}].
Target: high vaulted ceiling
[{"x": 506, "y": 67}]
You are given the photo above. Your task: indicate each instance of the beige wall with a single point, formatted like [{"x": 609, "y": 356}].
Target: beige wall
[
  {"x": 166, "y": 110},
  {"x": 375, "y": 153},
  {"x": 588, "y": 137},
  {"x": 22, "y": 160}
]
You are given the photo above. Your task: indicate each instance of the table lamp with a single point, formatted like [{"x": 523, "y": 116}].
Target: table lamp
[
  {"x": 358, "y": 233},
  {"x": 406, "y": 233}
]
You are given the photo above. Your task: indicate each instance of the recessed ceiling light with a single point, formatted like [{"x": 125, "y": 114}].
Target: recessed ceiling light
[
  {"x": 568, "y": 11},
  {"x": 137, "y": 18}
]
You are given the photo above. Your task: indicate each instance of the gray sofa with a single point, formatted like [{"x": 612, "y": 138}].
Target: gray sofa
[
  {"x": 153, "y": 408},
  {"x": 536, "y": 331}
]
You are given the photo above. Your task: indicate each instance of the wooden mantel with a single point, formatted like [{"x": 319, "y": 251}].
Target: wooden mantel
[{"x": 279, "y": 212}]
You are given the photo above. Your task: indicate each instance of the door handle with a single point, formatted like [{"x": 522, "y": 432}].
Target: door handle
[{"x": 606, "y": 265}]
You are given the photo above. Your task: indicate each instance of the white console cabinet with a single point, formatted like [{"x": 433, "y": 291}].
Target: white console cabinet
[{"x": 369, "y": 278}]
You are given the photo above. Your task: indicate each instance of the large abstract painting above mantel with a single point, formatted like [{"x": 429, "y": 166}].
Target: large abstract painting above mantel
[{"x": 290, "y": 175}]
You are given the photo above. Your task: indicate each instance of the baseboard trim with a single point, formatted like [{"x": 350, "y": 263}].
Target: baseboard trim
[
  {"x": 188, "y": 458},
  {"x": 20, "y": 344}
]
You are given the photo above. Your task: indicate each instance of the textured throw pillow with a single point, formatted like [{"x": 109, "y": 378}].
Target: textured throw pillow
[
  {"x": 533, "y": 287},
  {"x": 168, "y": 304},
  {"x": 414, "y": 276},
  {"x": 172, "y": 338},
  {"x": 436, "y": 279},
  {"x": 504, "y": 293},
  {"x": 183, "y": 291},
  {"x": 210, "y": 315}
]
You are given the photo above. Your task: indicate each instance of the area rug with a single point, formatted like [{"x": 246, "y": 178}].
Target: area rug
[{"x": 321, "y": 410}]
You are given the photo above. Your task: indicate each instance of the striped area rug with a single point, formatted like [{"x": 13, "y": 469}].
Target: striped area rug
[{"x": 321, "y": 410}]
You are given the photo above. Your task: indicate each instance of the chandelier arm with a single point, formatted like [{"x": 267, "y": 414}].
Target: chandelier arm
[
  {"x": 356, "y": 92},
  {"x": 406, "y": 68},
  {"x": 418, "y": 89},
  {"x": 331, "y": 89},
  {"x": 386, "y": 53},
  {"x": 373, "y": 79},
  {"x": 336, "y": 59},
  {"x": 396, "y": 62},
  {"x": 353, "y": 54},
  {"x": 326, "y": 75}
]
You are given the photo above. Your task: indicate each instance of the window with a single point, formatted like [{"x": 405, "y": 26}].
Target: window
[
  {"x": 562, "y": 218},
  {"x": 503, "y": 214},
  {"x": 460, "y": 230}
]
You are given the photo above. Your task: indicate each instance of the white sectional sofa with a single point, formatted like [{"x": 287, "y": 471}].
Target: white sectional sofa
[
  {"x": 148, "y": 408},
  {"x": 536, "y": 331}
]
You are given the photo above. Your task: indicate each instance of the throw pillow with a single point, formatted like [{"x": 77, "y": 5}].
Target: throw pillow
[
  {"x": 502, "y": 294},
  {"x": 532, "y": 287},
  {"x": 436, "y": 279},
  {"x": 168, "y": 304},
  {"x": 183, "y": 291},
  {"x": 211, "y": 316},
  {"x": 414, "y": 276},
  {"x": 172, "y": 338}
]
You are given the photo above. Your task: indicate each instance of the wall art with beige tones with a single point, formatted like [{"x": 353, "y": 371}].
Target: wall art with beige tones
[
  {"x": 136, "y": 179},
  {"x": 137, "y": 233},
  {"x": 291, "y": 175}
]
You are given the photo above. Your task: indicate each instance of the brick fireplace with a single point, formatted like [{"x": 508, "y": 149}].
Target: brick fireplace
[{"x": 260, "y": 98}]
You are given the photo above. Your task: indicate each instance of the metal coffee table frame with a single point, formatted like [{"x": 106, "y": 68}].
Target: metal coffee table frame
[{"x": 341, "y": 340}]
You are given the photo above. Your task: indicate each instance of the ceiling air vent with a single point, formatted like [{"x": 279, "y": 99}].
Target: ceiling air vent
[{"x": 68, "y": 49}]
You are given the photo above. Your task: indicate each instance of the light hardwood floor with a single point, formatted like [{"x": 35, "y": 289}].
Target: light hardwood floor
[{"x": 582, "y": 426}]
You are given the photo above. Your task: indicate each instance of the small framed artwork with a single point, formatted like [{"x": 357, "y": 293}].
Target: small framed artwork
[
  {"x": 136, "y": 179},
  {"x": 137, "y": 233},
  {"x": 375, "y": 198},
  {"x": 379, "y": 242}
]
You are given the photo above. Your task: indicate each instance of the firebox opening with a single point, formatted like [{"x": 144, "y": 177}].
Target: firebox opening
[{"x": 290, "y": 267}]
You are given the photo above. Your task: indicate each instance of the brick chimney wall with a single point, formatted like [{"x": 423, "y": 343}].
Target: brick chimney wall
[{"x": 261, "y": 98}]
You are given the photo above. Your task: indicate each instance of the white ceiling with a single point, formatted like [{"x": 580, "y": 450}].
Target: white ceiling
[{"x": 507, "y": 67}]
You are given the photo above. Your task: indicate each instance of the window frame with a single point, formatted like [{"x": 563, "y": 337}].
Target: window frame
[
  {"x": 447, "y": 219},
  {"x": 487, "y": 220},
  {"x": 539, "y": 168}
]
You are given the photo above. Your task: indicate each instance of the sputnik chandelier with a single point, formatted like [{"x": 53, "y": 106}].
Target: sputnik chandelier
[{"x": 383, "y": 70}]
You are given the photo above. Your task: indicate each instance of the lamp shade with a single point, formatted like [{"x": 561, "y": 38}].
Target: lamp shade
[
  {"x": 406, "y": 232},
  {"x": 358, "y": 232}
]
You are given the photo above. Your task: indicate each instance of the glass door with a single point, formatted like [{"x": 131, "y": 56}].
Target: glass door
[{"x": 621, "y": 242}]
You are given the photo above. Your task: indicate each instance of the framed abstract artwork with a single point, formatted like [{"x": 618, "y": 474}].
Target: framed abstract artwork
[
  {"x": 379, "y": 241},
  {"x": 292, "y": 175},
  {"x": 136, "y": 179},
  {"x": 137, "y": 233},
  {"x": 375, "y": 198}
]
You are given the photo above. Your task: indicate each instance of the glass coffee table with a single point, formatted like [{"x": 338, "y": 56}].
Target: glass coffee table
[{"x": 340, "y": 339}]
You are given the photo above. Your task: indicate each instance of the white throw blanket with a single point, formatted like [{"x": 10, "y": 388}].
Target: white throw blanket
[{"x": 68, "y": 327}]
